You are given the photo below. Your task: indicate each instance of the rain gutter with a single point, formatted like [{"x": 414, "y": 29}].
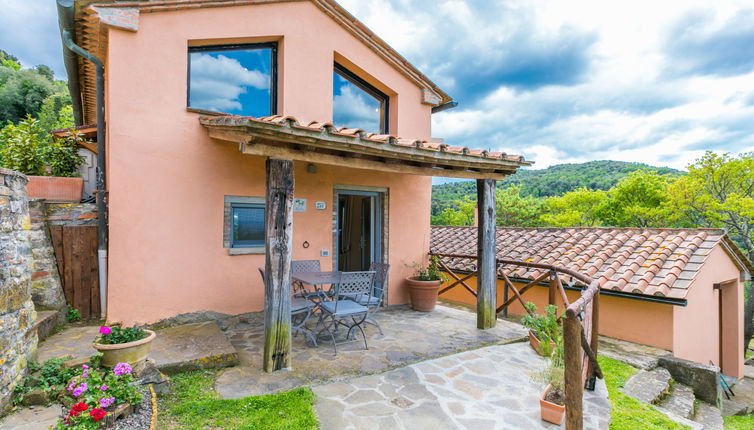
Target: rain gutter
[{"x": 70, "y": 53}]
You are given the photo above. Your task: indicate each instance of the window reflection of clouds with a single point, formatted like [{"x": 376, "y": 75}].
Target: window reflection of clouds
[
  {"x": 232, "y": 81},
  {"x": 354, "y": 107}
]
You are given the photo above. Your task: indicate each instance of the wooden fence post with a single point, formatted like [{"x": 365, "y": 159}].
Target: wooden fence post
[
  {"x": 574, "y": 383},
  {"x": 595, "y": 340},
  {"x": 553, "y": 288},
  {"x": 278, "y": 226},
  {"x": 486, "y": 255}
]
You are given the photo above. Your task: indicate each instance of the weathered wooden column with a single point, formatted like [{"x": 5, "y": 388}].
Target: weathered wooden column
[
  {"x": 486, "y": 258},
  {"x": 595, "y": 340},
  {"x": 574, "y": 383},
  {"x": 278, "y": 226}
]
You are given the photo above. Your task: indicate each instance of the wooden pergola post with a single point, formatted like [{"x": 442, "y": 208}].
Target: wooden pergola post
[
  {"x": 278, "y": 226},
  {"x": 486, "y": 255}
]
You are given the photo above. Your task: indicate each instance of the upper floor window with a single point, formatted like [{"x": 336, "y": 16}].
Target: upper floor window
[
  {"x": 357, "y": 104},
  {"x": 234, "y": 79}
]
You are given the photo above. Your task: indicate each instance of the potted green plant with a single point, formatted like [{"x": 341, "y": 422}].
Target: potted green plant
[
  {"x": 123, "y": 345},
  {"x": 552, "y": 401},
  {"x": 423, "y": 286},
  {"x": 543, "y": 329},
  {"x": 51, "y": 164}
]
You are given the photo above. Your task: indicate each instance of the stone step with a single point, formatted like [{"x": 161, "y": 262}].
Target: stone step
[
  {"x": 681, "y": 420},
  {"x": 46, "y": 323},
  {"x": 649, "y": 386},
  {"x": 680, "y": 401},
  {"x": 733, "y": 407},
  {"x": 192, "y": 347},
  {"x": 709, "y": 416}
]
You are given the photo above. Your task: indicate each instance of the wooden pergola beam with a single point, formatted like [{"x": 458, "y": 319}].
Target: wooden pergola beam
[
  {"x": 278, "y": 225},
  {"x": 359, "y": 161}
]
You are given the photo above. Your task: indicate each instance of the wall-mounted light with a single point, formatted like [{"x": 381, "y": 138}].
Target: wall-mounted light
[{"x": 311, "y": 168}]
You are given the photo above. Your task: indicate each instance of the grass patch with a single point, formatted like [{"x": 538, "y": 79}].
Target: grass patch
[
  {"x": 628, "y": 413},
  {"x": 194, "y": 404},
  {"x": 745, "y": 422}
]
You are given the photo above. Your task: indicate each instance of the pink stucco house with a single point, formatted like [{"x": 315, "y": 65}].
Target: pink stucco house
[{"x": 197, "y": 94}]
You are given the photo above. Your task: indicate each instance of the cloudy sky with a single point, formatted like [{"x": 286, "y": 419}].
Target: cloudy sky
[{"x": 557, "y": 81}]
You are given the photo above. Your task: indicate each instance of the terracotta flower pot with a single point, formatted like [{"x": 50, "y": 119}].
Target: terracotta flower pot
[
  {"x": 55, "y": 189},
  {"x": 551, "y": 412},
  {"x": 535, "y": 344},
  {"x": 131, "y": 352},
  {"x": 423, "y": 294}
]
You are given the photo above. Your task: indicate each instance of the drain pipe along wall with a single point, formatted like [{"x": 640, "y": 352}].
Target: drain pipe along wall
[{"x": 65, "y": 21}]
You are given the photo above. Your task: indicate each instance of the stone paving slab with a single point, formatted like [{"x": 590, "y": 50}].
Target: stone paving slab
[
  {"x": 73, "y": 341},
  {"x": 681, "y": 401},
  {"x": 637, "y": 355},
  {"x": 191, "y": 347},
  {"x": 648, "y": 386},
  {"x": 36, "y": 418},
  {"x": 489, "y": 388},
  {"x": 409, "y": 337},
  {"x": 709, "y": 416}
]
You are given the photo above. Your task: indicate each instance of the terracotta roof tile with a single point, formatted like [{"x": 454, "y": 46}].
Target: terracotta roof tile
[
  {"x": 655, "y": 262},
  {"x": 328, "y": 128}
]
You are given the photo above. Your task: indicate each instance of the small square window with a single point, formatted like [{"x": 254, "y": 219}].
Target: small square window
[
  {"x": 234, "y": 79},
  {"x": 247, "y": 225},
  {"x": 357, "y": 104}
]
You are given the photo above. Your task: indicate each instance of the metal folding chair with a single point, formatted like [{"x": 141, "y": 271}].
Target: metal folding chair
[
  {"x": 301, "y": 310},
  {"x": 374, "y": 300},
  {"x": 347, "y": 312},
  {"x": 301, "y": 266}
]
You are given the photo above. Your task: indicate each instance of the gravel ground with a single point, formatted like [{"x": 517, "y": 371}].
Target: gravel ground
[{"x": 141, "y": 418}]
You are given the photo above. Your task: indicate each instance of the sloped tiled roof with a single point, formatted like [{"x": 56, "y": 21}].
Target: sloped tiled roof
[
  {"x": 360, "y": 135},
  {"x": 654, "y": 262}
]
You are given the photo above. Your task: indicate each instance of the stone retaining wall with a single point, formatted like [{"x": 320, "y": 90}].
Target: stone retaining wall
[
  {"x": 46, "y": 288},
  {"x": 18, "y": 342}
]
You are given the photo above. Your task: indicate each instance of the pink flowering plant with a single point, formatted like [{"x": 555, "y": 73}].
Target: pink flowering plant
[
  {"x": 96, "y": 392},
  {"x": 111, "y": 335}
]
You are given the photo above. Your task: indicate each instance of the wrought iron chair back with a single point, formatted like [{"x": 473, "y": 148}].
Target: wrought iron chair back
[
  {"x": 380, "y": 279},
  {"x": 301, "y": 266},
  {"x": 356, "y": 285}
]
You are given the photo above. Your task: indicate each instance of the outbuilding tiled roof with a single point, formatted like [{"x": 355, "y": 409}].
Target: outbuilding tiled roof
[
  {"x": 360, "y": 135},
  {"x": 655, "y": 262}
]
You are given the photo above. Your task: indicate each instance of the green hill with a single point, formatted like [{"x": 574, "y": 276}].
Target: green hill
[{"x": 552, "y": 181}]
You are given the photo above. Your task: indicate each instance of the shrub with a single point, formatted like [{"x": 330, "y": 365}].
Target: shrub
[
  {"x": 545, "y": 327},
  {"x": 73, "y": 315},
  {"x": 27, "y": 148},
  {"x": 429, "y": 273}
]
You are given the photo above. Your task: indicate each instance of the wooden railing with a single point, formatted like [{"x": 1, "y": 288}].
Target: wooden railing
[{"x": 580, "y": 320}]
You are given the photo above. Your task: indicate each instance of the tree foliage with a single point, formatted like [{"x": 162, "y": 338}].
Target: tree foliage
[
  {"x": 578, "y": 208},
  {"x": 516, "y": 210},
  {"x": 551, "y": 182},
  {"x": 28, "y": 148}
]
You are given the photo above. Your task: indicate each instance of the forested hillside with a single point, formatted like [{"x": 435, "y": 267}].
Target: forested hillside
[{"x": 552, "y": 181}]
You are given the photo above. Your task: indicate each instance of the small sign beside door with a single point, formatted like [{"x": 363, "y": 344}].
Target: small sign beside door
[
  {"x": 320, "y": 205},
  {"x": 299, "y": 205}
]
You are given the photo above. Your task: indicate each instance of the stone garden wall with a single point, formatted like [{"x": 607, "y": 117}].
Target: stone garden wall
[{"x": 18, "y": 342}]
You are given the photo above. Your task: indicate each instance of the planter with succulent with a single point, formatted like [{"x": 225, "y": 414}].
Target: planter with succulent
[
  {"x": 543, "y": 329},
  {"x": 51, "y": 164},
  {"x": 552, "y": 401},
  {"x": 423, "y": 286},
  {"x": 123, "y": 345}
]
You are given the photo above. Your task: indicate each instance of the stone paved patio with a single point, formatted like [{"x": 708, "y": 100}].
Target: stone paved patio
[
  {"x": 409, "y": 337},
  {"x": 489, "y": 388}
]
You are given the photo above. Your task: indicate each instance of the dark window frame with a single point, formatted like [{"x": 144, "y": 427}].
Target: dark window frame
[
  {"x": 273, "y": 46},
  {"x": 369, "y": 89},
  {"x": 233, "y": 207}
]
